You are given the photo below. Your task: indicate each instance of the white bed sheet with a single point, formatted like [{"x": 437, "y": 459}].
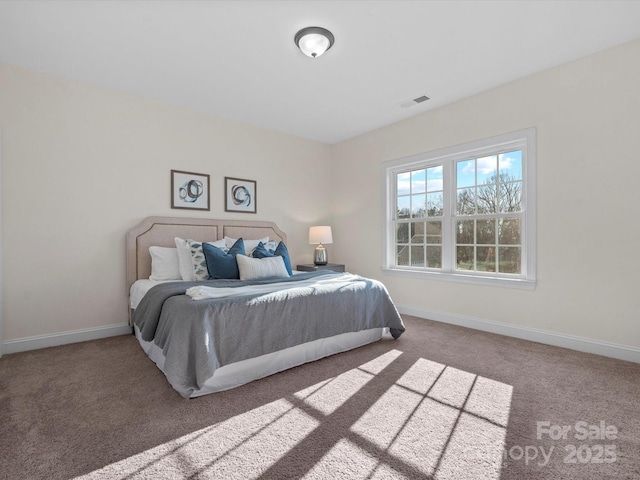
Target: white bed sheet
[{"x": 140, "y": 288}]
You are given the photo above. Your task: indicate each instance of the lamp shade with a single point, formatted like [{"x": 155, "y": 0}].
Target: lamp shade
[
  {"x": 320, "y": 234},
  {"x": 314, "y": 41}
]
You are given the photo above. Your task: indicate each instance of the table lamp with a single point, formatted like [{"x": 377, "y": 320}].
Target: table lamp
[{"x": 319, "y": 235}]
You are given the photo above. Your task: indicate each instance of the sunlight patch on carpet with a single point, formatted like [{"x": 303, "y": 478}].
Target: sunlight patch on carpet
[
  {"x": 421, "y": 376},
  {"x": 453, "y": 386},
  {"x": 381, "y": 433},
  {"x": 249, "y": 443},
  {"x": 446, "y": 424},
  {"x": 384, "y": 419},
  {"x": 488, "y": 399},
  {"x": 424, "y": 437},
  {"x": 474, "y": 451},
  {"x": 333, "y": 394},
  {"x": 378, "y": 364},
  {"x": 344, "y": 460}
]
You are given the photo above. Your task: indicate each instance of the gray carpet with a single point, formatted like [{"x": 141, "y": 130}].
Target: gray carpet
[{"x": 442, "y": 402}]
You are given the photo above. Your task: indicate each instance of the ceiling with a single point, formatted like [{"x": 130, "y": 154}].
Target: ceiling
[{"x": 237, "y": 59}]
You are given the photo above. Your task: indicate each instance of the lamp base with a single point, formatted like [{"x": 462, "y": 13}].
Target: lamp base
[{"x": 320, "y": 255}]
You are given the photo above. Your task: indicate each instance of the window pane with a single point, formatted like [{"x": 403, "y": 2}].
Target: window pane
[
  {"x": 404, "y": 204},
  {"x": 466, "y": 173},
  {"x": 511, "y": 197},
  {"x": 465, "y": 232},
  {"x": 435, "y": 205},
  {"x": 402, "y": 233},
  {"x": 511, "y": 164},
  {"x": 509, "y": 231},
  {"x": 434, "y": 179},
  {"x": 464, "y": 258},
  {"x": 486, "y": 232},
  {"x": 402, "y": 256},
  {"x": 487, "y": 198},
  {"x": 434, "y": 232},
  {"x": 434, "y": 257},
  {"x": 487, "y": 168},
  {"x": 418, "y": 205},
  {"x": 417, "y": 232},
  {"x": 403, "y": 183},
  {"x": 466, "y": 202},
  {"x": 417, "y": 256},
  {"x": 418, "y": 181},
  {"x": 509, "y": 260},
  {"x": 486, "y": 259}
]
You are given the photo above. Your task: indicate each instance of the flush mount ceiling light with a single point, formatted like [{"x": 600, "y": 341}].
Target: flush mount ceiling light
[{"x": 314, "y": 41}]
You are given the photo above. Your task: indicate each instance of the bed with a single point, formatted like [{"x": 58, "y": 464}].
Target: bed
[{"x": 213, "y": 335}]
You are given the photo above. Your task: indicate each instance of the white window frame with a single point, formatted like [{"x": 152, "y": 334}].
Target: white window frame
[{"x": 524, "y": 140}]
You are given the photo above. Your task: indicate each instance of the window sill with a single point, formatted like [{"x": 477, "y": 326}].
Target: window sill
[{"x": 488, "y": 281}]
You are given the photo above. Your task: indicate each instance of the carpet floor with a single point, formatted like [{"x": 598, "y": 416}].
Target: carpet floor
[{"x": 442, "y": 402}]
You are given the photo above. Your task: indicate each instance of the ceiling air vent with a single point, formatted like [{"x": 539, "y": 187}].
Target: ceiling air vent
[{"x": 415, "y": 101}]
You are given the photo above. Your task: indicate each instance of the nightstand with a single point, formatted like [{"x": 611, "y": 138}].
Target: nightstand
[{"x": 310, "y": 267}]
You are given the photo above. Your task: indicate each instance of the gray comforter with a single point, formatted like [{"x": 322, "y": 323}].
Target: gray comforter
[{"x": 199, "y": 336}]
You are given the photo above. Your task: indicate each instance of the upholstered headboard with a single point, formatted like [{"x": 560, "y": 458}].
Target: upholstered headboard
[{"x": 161, "y": 232}]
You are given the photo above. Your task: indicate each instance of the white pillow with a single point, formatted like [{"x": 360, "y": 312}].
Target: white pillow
[
  {"x": 249, "y": 245},
  {"x": 184, "y": 259},
  {"x": 164, "y": 264},
  {"x": 191, "y": 260},
  {"x": 252, "y": 268}
]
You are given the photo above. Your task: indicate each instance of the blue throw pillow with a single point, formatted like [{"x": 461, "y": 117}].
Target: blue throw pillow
[
  {"x": 281, "y": 251},
  {"x": 223, "y": 264}
]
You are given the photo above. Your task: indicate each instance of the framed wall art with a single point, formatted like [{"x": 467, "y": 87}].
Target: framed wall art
[
  {"x": 189, "y": 190},
  {"x": 240, "y": 195}
]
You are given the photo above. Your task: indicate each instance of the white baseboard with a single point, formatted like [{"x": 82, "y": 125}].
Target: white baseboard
[
  {"x": 74, "y": 336},
  {"x": 621, "y": 352}
]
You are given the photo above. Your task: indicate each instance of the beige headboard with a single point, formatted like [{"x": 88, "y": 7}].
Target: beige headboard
[{"x": 161, "y": 232}]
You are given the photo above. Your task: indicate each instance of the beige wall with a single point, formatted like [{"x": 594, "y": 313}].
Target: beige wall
[
  {"x": 587, "y": 116},
  {"x": 82, "y": 164}
]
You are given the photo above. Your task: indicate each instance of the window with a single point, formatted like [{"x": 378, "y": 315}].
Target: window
[{"x": 465, "y": 213}]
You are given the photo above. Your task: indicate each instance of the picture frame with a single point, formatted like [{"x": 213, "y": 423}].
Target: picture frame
[
  {"x": 189, "y": 190},
  {"x": 240, "y": 195}
]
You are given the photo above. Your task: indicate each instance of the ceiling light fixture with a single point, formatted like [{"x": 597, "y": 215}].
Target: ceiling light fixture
[{"x": 314, "y": 41}]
